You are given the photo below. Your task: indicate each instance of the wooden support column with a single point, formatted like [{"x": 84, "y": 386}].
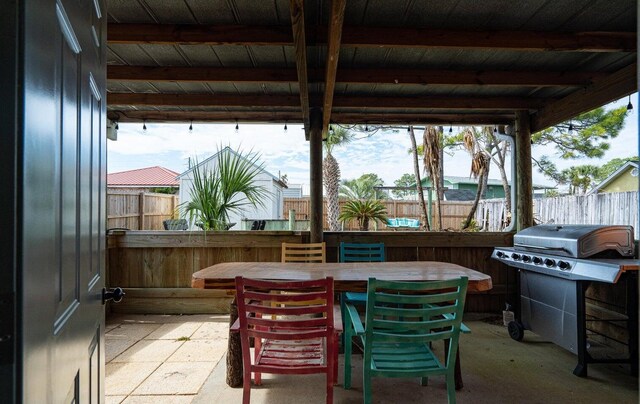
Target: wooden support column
[
  {"x": 315, "y": 159},
  {"x": 524, "y": 181}
]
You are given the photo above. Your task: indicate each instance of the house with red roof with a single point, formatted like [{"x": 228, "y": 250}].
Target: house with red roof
[{"x": 147, "y": 179}]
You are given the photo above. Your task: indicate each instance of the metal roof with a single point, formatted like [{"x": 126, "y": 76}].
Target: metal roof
[
  {"x": 396, "y": 62},
  {"x": 144, "y": 177}
]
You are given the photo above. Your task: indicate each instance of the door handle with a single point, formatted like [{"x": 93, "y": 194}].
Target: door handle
[{"x": 115, "y": 294}]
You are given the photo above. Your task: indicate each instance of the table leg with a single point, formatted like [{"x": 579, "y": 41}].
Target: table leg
[
  {"x": 234, "y": 351},
  {"x": 457, "y": 371}
]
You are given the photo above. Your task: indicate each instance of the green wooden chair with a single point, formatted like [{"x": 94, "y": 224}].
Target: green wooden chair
[{"x": 402, "y": 320}]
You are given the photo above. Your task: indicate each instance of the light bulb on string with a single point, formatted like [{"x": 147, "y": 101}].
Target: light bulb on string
[
  {"x": 629, "y": 105},
  {"x": 285, "y": 126},
  {"x": 191, "y": 126},
  {"x": 144, "y": 125},
  {"x": 450, "y": 129},
  {"x": 570, "y": 126},
  {"x": 117, "y": 127},
  {"x": 237, "y": 126}
]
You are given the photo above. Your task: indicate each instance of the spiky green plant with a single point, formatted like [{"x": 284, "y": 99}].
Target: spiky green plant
[
  {"x": 229, "y": 187},
  {"x": 363, "y": 211}
]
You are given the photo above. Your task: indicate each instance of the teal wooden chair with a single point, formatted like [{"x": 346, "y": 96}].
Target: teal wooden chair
[
  {"x": 402, "y": 320},
  {"x": 358, "y": 252}
]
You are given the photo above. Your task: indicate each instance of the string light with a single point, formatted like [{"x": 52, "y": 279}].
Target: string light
[
  {"x": 366, "y": 127},
  {"x": 450, "y": 129},
  {"x": 570, "y": 126},
  {"x": 408, "y": 128},
  {"x": 330, "y": 128},
  {"x": 117, "y": 127},
  {"x": 144, "y": 125},
  {"x": 237, "y": 126},
  {"x": 495, "y": 129},
  {"x": 191, "y": 127},
  {"x": 629, "y": 105},
  {"x": 285, "y": 126}
]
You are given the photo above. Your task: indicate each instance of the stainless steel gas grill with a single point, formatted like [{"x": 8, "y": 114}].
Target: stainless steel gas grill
[{"x": 556, "y": 264}]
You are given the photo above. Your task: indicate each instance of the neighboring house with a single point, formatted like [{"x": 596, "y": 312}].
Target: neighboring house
[
  {"x": 273, "y": 204},
  {"x": 623, "y": 179},
  {"x": 467, "y": 188},
  {"x": 146, "y": 179},
  {"x": 293, "y": 191}
]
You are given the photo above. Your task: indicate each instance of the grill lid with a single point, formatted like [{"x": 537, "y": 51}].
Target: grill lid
[{"x": 576, "y": 240}]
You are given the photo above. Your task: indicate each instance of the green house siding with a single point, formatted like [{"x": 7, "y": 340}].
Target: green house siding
[
  {"x": 624, "y": 182},
  {"x": 493, "y": 191}
]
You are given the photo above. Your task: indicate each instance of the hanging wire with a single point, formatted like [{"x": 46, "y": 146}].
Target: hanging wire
[{"x": 629, "y": 105}]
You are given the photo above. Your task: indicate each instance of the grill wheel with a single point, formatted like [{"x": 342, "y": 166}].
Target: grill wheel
[{"x": 516, "y": 330}]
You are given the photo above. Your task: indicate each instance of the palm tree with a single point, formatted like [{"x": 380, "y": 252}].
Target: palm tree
[
  {"x": 331, "y": 174},
  {"x": 363, "y": 211},
  {"x": 480, "y": 164},
  {"x": 227, "y": 188},
  {"x": 432, "y": 162},
  {"x": 416, "y": 172}
]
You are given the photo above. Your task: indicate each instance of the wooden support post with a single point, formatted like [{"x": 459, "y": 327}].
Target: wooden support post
[
  {"x": 315, "y": 159},
  {"x": 234, "y": 351},
  {"x": 141, "y": 211},
  {"x": 524, "y": 181}
]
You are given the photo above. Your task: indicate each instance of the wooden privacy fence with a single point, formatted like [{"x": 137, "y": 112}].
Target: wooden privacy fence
[
  {"x": 606, "y": 208},
  {"x": 453, "y": 212},
  {"x": 139, "y": 211}
]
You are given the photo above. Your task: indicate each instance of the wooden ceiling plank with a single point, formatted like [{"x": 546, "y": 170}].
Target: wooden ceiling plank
[
  {"x": 294, "y": 116},
  {"x": 333, "y": 52},
  {"x": 341, "y": 101},
  {"x": 608, "y": 89},
  {"x": 195, "y": 34},
  {"x": 509, "y": 40},
  {"x": 354, "y": 76},
  {"x": 397, "y": 37},
  {"x": 296, "y": 8},
  {"x": 204, "y": 100}
]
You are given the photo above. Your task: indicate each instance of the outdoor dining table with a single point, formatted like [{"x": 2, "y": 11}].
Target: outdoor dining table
[{"x": 347, "y": 277}]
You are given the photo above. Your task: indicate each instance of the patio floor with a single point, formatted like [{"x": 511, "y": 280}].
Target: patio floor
[{"x": 180, "y": 359}]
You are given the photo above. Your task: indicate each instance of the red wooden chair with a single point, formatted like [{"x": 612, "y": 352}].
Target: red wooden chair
[{"x": 286, "y": 339}]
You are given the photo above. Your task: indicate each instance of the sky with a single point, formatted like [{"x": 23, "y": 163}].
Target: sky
[{"x": 385, "y": 154}]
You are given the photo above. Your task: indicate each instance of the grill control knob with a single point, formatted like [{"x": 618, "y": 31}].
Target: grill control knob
[
  {"x": 516, "y": 257},
  {"x": 537, "y": 260},
  {"x": 550, "y": 263},
  {"x": 500, "y": 254},
  {"x": 526, "y": 258},
  {"x": 564, "y": 265}
]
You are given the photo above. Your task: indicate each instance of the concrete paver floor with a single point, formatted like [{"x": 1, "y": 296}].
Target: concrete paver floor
[{"x": 180, "y": 359}]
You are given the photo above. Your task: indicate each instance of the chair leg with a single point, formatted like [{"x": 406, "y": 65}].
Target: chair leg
[
  {"x": 330, "y": 381},
  {"x": 335, "y": 358},
  {"x": 347, "y": 358},
  {"x": 257, "y": 346},
  {"x": 246, "y": 386},
  {"x": 451, "y": 388},
  {"x": 366, "y": 383}
]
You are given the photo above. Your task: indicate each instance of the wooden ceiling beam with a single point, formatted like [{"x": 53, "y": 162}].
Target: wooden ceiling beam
[
  {"x": 359, "y": 76},
  {"x": 613, "y": 87},
  {"x": 339, "y": 101},
  {"x": 296, "y": 8},
  {"x": 333, "y": 52},
  {"x": 193, "y": 34},
  {"x": 204, "y": 100},
  {"x": 293, "y": 117}
]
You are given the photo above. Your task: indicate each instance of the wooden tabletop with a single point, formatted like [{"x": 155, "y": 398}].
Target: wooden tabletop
[{"x": 346, "y": 276}]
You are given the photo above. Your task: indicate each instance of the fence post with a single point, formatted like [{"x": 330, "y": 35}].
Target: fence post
[
  {"x": 141, "y": 211},
  {"x": 292, "y": 219}
]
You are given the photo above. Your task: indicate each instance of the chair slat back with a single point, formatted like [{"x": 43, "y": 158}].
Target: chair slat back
[
  {"x": 264, "y": 310},
  {"x": 409, "y": 312},
  {"x": 311, "y": 252},
  {"x": 359, "y": 252}
]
